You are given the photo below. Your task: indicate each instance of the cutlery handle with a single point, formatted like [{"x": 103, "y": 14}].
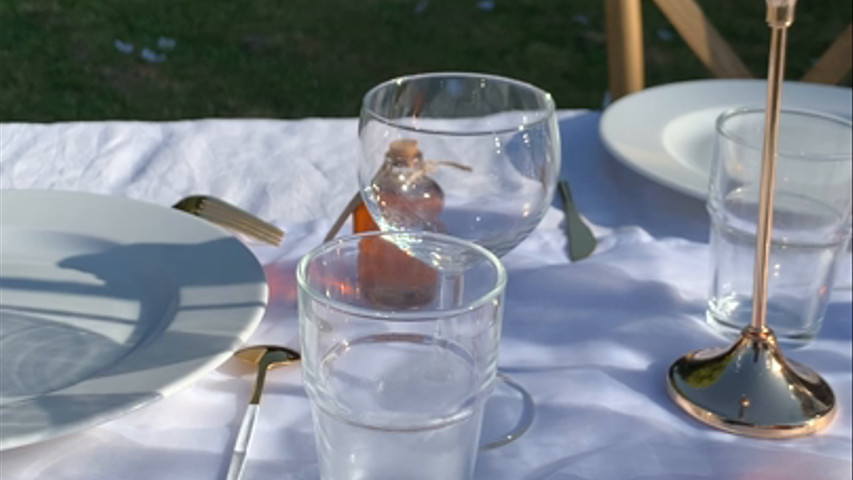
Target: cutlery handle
[
  {"x": 241, "y": 446},
  {"x": 354, "y": 202}
]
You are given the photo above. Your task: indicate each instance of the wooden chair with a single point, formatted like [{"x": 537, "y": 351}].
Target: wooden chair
[{"x": 625, "y": 46}]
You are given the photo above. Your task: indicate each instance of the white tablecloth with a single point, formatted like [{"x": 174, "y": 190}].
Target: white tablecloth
[{"x": 591, "y": 340}]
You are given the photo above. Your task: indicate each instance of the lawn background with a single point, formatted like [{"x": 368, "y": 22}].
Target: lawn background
[{"x": 308, "y": 58}]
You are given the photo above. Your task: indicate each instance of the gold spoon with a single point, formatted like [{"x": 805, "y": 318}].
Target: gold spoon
[{"x": 264, "y": 357}]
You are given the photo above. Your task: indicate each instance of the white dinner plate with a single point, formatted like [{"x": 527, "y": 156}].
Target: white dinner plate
[
  {"x": 107, "y": 304},
  {"x": 667, "y": 133}
]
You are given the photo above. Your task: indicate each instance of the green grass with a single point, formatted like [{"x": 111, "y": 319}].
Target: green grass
[{"x": 299, "y": 58}]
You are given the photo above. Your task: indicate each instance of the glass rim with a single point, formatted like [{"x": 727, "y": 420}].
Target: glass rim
[
  {"x": 548, "y": 111},
  {"x": 822, "y": 157},
  {"x": 401, "y": 315}
]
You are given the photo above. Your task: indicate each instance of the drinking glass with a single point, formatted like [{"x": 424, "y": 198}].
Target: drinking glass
[
  {"x": 399, "y": 335},
  {"x": 471, "y": 155},
  {"x": 811, "y": 225}
]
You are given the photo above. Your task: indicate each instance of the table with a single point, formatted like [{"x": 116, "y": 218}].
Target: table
[{"x": 591, "y": 340}]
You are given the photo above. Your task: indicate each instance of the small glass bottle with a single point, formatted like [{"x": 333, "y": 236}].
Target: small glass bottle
[
  {"x": 408, "y": 200},
  {"x": 406, "y": 196}
]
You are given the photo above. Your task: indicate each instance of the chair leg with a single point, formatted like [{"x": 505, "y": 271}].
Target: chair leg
[
  {"x": 624, "y": 28},
  {"x": 835, "y": 64},
  {"x": 705, "y": 41}
]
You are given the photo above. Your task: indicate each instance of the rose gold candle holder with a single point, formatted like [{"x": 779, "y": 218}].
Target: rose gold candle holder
[{"x": 750, "y": 388}]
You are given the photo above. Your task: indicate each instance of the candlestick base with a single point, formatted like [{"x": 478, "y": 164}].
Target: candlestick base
[{"x": 751, "y": 389}]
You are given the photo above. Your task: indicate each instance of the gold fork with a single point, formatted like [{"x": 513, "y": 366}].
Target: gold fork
[{"x": 226, "y": 215}]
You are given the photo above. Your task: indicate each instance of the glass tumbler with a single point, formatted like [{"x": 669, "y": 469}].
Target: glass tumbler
[
  {"x": 811, "y": 225},
  {"x": 398, "y": 367}
]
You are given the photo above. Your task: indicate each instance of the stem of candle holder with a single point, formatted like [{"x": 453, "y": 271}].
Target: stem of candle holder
[
  {"x": 763, "y": 240},
  {"x": 780, "y": 16}
]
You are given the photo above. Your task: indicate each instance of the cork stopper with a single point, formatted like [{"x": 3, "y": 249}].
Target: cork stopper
[
  {"x": 404, "y": 147},
  {"x": 404, "y": 151}
]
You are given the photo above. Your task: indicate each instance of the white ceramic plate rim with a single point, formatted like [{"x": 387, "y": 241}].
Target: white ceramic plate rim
[
  {"x": 139, "y": 370},
  {"x": 632, "y": 128}
]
